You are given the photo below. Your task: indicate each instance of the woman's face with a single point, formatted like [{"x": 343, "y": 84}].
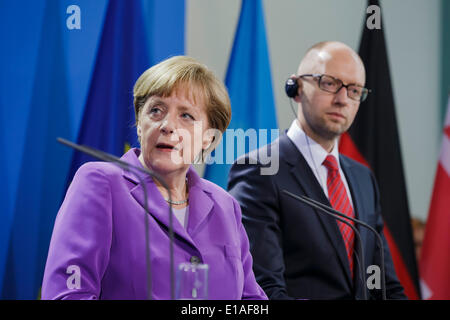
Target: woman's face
[{"x": 172, "y": 130}]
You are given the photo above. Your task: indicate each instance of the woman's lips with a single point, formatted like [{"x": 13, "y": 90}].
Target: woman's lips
[{"x": 166, "y": 147}]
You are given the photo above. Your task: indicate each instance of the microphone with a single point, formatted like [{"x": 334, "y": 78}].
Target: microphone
[
  {"x": 331, "y": 211},
  {"x": 360, "y": 260},
  {"x": 129, "y": 167}
]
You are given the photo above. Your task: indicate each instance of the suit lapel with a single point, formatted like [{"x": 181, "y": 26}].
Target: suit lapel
[
  {"x": 358, "y": 206},
  {"x": 312, "y": 189},
  {"x": 357, "y": 195}
]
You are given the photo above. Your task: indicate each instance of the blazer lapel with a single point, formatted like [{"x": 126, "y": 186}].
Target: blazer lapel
[
  {"x": 312, "y": 189},
  {"x": 157, "y": 206},
  {"x": 200, "y": 202}
]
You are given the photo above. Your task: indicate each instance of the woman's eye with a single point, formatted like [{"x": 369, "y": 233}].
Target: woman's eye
[
  {"x": 187, "y": 116},
  {"x": 155, "y": 112}
]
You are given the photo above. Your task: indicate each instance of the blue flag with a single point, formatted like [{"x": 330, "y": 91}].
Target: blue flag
[
  {"x": 57, "y": 81},
  {"x": 249, "y": 85},
  {"x": 108, "y": 119},
  {"x": 126, "y": 50}
]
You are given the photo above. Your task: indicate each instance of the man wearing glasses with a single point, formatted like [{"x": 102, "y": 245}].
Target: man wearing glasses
[{"x": 299, "y": 252}]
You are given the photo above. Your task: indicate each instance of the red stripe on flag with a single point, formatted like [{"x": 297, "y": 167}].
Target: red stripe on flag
[
  {"x": 447, "y": 131},
  {"x": 348, "y": 147},
  {"x": 400, "y": 267},
  {"x": 435, "y": 256}
]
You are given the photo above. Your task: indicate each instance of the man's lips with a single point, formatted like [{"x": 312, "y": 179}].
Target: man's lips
[{"x": 336, "y": 114}]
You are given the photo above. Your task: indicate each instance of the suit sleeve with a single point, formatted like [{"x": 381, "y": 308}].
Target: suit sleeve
[
  {"x": 79, "y": 248},
  {"x": 394, "y": 290},
  {"x": 258, "y": 199}
]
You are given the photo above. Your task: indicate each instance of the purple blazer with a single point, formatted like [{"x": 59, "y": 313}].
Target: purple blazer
[{"x": 97, "y": 250}]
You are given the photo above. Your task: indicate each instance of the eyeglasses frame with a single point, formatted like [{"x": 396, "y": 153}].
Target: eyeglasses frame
[{"x": 317, "y": 75}]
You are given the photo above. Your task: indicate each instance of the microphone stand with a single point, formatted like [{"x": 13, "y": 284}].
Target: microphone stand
[
  {"x": 126, "y": 166},
  {"x": 321, "y": 206},
  {"x": 361, "y": 252},
  {"x": 362, "y": 223}
]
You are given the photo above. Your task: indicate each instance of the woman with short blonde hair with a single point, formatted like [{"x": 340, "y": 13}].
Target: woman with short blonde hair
[
  {"x": 100, "y": 228},
  {"x": 164, "y": 78}
]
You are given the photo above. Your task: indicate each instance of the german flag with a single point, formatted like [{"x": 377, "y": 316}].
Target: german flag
[{"x": 373, "y": 140}]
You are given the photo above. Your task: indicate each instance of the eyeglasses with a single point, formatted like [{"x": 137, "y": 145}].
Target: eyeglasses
[{"x": 333, "y": 85}]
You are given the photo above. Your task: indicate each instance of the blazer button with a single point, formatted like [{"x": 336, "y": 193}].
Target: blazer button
[{"x": 195, "y": 260}]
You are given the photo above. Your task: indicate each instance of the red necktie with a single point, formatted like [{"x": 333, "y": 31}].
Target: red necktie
[{"x": 338, "y": 197}]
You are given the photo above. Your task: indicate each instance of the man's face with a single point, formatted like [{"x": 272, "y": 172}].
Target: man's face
[{"x": 326, "y": 114}]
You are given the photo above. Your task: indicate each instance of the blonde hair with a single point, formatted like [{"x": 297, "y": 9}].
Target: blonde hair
[{"x": 167, "y": 76}]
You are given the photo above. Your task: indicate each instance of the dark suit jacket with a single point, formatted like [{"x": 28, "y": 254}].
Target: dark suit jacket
[{"x": 299, "y": 252}]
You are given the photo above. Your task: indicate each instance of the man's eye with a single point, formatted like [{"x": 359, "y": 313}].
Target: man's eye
[{"x": 155, "y": 110}]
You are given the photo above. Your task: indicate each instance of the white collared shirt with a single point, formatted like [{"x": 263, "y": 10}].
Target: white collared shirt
[{"x": 315, "y": 155}]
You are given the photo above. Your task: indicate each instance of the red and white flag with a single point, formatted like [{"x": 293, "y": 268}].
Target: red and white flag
[{"x": 435, "y": 258}]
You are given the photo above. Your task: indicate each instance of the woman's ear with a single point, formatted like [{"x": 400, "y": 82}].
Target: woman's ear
[
  {"x": 139, "y": 131},
  {"x": 209, "y": 138}
]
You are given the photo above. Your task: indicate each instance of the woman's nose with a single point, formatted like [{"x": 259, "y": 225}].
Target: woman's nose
[{"x": 168, "y": 125}]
